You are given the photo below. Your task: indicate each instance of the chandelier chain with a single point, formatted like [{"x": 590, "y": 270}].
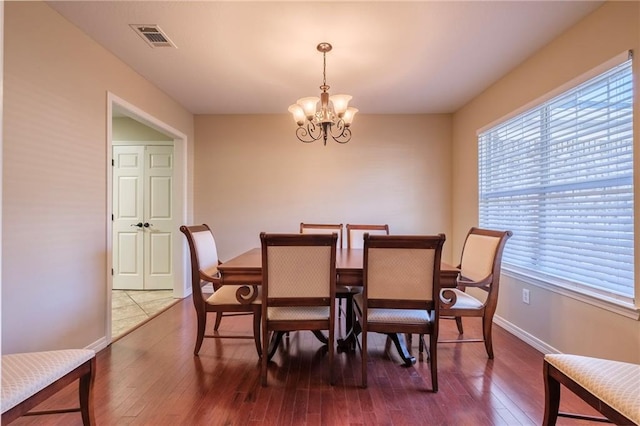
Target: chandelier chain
[{"x": 324, "y": 69}]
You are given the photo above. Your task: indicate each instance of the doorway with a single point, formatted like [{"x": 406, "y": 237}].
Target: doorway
[
  {"x": 143, "y": 219},
  {"x": 146, "y": 257}
]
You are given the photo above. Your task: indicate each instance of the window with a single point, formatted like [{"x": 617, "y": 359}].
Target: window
[{"x": 560, "y": 176}]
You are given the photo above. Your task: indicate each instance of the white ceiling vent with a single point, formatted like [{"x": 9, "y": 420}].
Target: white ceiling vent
[{"x": 153, "y": 35}]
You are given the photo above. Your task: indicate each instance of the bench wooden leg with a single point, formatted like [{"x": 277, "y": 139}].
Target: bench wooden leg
[
  {"x": 85, "y": 394},
  {"x": 551, "y": 398}
]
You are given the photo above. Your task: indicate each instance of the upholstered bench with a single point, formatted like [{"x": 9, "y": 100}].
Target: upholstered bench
[
  {"x": 611, "y": 387},
  {"x": 30, "y": 378}
]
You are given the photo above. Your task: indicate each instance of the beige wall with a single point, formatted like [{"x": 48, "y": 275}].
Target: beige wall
[
  {"x": 54, "y": 277},
  {"x": 253, "y": 175},
  {"x": 557, "y": 321},
  {"x": 128, "y": 129}
]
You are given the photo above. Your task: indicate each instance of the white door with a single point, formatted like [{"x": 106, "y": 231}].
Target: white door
[
  {"x": 142, "y": 217},
  {"x": 158, "y": 226}
]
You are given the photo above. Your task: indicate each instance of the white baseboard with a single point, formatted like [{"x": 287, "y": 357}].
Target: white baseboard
[
  {"x": 524, "y": 336},
  {"x": 98, "y": 345}
]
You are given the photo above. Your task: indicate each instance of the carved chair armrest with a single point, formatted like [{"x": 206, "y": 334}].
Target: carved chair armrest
[
  {"x": 246, "y": 294},
  {"x": 463, "y": 282},
  {"x": 447, "y": 298},
  {"x": 212, "y": 277}
]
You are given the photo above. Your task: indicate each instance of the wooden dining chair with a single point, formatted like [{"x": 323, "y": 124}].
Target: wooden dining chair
[
  {"x": 342, "y": 292},
  {"x": 355, "y": 234},
  {"x": 223, "y": 301},
  {"x": 401, "y": 277},
  {"x": 323, "y": 228},
  {"x": 355, "y": 240},
  {"x": 298, "y": 288},
  {"x": 480, "y": 267}
]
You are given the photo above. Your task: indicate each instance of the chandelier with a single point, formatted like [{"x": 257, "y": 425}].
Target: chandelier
[{"x": 325, "y": 116}]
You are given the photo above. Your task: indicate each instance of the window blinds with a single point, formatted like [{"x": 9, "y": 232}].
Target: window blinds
[{"x": 560, "y": 176}]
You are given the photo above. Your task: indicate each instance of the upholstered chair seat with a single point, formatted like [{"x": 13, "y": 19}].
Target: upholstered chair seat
[
  {"x": 396, "y": 316},
  {"x": 298, "y": 313},
  {"x": 464, "y": 300},
  {"x": 227, "y": 295}
]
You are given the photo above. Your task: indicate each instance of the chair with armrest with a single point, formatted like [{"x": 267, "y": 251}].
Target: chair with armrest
[
  {"x": 298, "y": 288},
  {"x": 401, "y": 277},
  {"x": 223, "y": 301},
  {"x": 479, "y": 268}
]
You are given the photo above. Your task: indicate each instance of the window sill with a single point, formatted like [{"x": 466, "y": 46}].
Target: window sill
[{"x": 620, "y": 307}]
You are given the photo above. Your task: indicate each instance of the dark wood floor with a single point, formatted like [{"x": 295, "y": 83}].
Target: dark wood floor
[{"x": 150, "y": 377}]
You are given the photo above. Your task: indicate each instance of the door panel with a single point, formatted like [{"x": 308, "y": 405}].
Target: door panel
[
  {"x": 128, "y": 239},
  {"x": 158, "y": 207},
  {"x": 160, "y": 246},
  {"x": 128, "y": 257}
]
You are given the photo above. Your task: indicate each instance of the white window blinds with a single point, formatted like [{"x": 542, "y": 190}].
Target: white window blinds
[{"x": 560, "y": 176}]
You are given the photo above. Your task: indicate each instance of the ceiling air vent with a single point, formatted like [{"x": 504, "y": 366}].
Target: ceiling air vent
[{"x": 153, "y": 35}]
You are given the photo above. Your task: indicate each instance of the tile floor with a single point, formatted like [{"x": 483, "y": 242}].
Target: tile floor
[{"x": 133, "y": 307}]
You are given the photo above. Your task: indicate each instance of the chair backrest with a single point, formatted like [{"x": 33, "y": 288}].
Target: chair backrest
[
  {"x": 204, "y": 258},
  {"x": 482, "y": 258},
  {"x": 402, "y": 271},
  {"x": 298, "y": 269},
  {"x": 355, "y": 233},
  {"x": 322, "y": 228},
  {"x": 482, "y": 253}
]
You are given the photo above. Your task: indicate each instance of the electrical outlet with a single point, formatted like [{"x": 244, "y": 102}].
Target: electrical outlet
[{"x": 525, "y": 295}]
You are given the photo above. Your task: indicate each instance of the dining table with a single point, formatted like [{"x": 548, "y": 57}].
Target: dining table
[{"x": 246, "y": 270}]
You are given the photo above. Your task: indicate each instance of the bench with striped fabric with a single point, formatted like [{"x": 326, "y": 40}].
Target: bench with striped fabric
[
  {"x": 611, "y": 387},
  {"x": 30, "y": 378}
]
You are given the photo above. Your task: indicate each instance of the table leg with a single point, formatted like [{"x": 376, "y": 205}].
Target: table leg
[
  {"x": 399, "y": 342},
  {"x": 276, "y": 338},
  {"x": 348, "y": 343},
  {"x": 320, "y": 336}
]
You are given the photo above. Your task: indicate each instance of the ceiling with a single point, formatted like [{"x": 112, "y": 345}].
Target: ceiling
[{"x": 238, "y": 57}]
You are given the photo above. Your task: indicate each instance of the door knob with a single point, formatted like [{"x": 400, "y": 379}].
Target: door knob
[
  {"x": 147, "y": 224},
  {"x": 139, "y": 224}
]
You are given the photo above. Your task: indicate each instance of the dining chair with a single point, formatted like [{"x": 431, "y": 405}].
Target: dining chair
[
  {"x": 355, "y": 240},
  {"x": 323, "y": 228},
  {"x": 342, "y": 292},
  {"x": 480, "y": 267},
  {"x": 355, "y": 233},
  {"x": 223, "y": 301},
  {"x": 401, "y": 277},
  {"x": 298, "y": 288}
]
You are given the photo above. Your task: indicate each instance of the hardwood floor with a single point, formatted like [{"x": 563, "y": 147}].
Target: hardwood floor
[{"x": 150, "y": 377}]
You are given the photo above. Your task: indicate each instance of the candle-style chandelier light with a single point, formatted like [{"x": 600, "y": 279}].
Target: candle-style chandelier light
[{"x": 325, "y": 116}]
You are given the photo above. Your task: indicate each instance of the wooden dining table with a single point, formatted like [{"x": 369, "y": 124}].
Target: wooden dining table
[{"x": 246, "y": 270}]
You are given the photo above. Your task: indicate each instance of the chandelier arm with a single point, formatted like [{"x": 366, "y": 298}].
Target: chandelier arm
[
  {"x": 339, "y": 132},
  {"x": 343, "y": 137},
  {"x": 309, "y": 133}
]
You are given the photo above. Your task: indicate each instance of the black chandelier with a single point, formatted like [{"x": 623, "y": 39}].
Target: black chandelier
[{"x": 325, "y": 116}]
